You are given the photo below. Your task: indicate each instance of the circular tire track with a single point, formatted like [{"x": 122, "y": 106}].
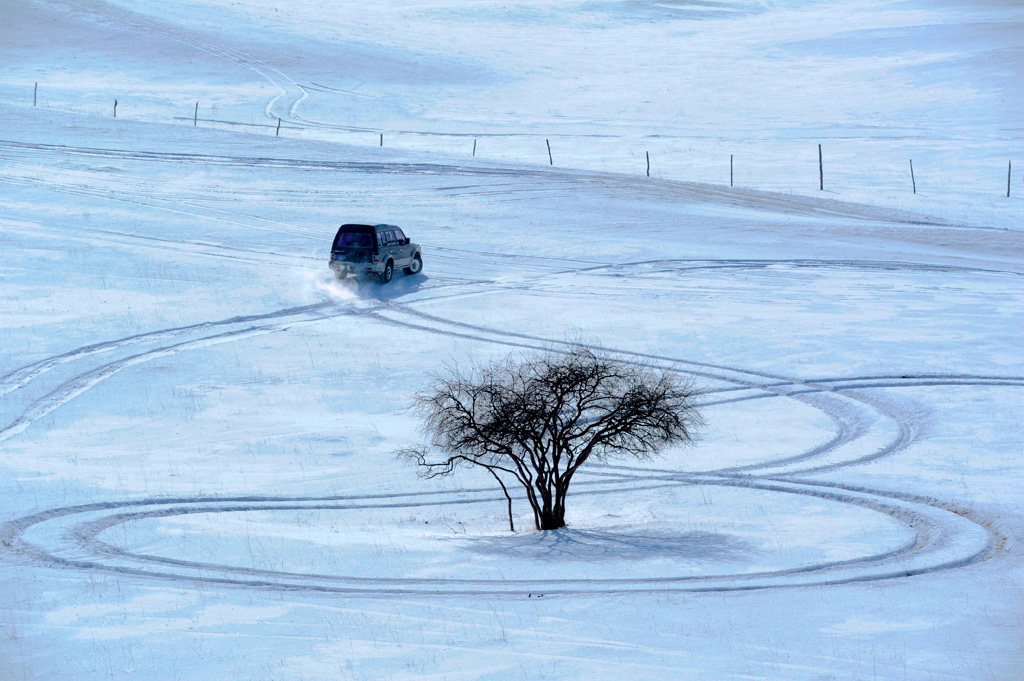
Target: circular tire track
[{"x": 943, "y": 538}]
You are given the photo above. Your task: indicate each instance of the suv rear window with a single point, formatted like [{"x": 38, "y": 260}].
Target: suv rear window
[{"x": 353, "y": 240}]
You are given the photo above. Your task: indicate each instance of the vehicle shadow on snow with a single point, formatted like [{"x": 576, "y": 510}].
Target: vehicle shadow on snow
[
  {"x": 604, "y": 545},
  {"x": 372, "y": 289}
]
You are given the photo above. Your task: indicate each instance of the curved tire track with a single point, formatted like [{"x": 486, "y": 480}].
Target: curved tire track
[
  {"x": 944, "y": 538},
  {"x": 20, "y": 377},
  {"x": 76, "y": 385},
  {"x": 848, "y": 425}
]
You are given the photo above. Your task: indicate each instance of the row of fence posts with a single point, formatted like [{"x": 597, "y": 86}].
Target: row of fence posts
[
  {"x": 647, "y": 154},
  {"x": 821, "y": 169}
]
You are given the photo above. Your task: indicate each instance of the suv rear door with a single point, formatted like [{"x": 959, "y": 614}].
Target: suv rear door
[
  {"x": 385, "y": 246},
  {"x": 390, "y": 246}
]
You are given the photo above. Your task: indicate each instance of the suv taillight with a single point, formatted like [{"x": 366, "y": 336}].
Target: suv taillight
[{"x": 376, "y": 258}]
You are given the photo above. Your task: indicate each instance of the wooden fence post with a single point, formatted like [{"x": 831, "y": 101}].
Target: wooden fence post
[
  {"x": 1009, "y": 169},
  {"x": 821, "y": 171},
  {"x": 730, "y": 170},
  {"x": 912, "y": 180},
  {"x": 195, "y": 118},
  {"x": 648, "y": 163},
  {"x": 35, "y": 91},
  {"x": 382, "y": 139},
  {"x": 551, "y": 161},
  {"x": 474, "y": 147}
]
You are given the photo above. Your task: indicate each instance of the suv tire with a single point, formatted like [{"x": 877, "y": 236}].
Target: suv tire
[
  {"x": 389, "y": 271},
  {"x": 416, "y": 267}
]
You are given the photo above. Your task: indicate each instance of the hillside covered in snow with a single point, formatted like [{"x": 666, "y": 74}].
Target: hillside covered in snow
[{"x": 198, "y": 421}]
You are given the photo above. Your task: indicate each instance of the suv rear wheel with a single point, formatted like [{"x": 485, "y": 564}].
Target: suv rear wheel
[{"x": 389, "y": 271}]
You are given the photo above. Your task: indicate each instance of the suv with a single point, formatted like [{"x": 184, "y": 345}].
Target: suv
[{"x": 374, "y": 250}]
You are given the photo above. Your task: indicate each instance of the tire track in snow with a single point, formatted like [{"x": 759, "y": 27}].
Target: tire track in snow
[
  {"x": 735, "y": 263},
  {"x": 84, "y": 381},
  {"x": 850, "y": 426},
  {"x": 896, "y": 381},
  {"x": 73, "y": 387},
  {"x": 845, "y": 428},
  {"x": 76, "y": 385},
  {"x": 183, "y": 247},
  {"x": 274, "y": 76},
  {"x": 169, "y": 205},
  {"x": 944, "y": 538},
  {"x": 374, "y": 167},
  {"x": 703, "y": 264},
  {"x": 19, "y": 378},
  {"x": 824, "y": 574}
]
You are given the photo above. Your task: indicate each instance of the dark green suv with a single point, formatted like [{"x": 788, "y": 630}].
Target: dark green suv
[{"x": 369, "y": 250}]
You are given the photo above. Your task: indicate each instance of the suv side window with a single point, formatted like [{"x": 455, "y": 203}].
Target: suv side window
[
  {"x": 382, "y": 239},
  {"x": 400, "y": 236}
]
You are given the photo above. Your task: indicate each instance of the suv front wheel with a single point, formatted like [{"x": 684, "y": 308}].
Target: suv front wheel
[
  {"x": 416, "y": 266},
  {"x": 389, "y": 271}
]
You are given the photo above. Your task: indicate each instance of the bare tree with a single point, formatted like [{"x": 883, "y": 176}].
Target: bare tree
[{"x": 537, "y": 419}]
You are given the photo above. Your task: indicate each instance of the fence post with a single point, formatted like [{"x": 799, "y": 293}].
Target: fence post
[
  {"x": 474, "y": 147},
  {"x": 912, "y": 180},
  {"x": 551, "y": 161},
  {"x": 730, "y": 170},
  {"x": 35, "y": 91},
  {"x": 821, "y": 171},
  {"x": 382, "y": 139},
  {"x": 1009, "y": 168},
  {"x": 115, "y": 108},
  {"x": 648, "y": 163},
  {"x": 277, "y": 133},
  {"x": 195, "y": 118}
]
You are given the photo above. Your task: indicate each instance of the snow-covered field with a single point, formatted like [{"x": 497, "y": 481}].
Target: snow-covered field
[{"x": 198, "y": 423}]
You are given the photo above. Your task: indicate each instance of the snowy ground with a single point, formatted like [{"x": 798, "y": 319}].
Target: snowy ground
[{"x": 197, "y": 423}]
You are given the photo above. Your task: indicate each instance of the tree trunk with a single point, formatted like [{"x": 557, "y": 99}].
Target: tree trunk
[{"x": 552, "y": 519}]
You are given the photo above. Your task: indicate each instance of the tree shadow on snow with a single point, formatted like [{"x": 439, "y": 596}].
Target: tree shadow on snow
[{"x": 604, "y": 545}]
